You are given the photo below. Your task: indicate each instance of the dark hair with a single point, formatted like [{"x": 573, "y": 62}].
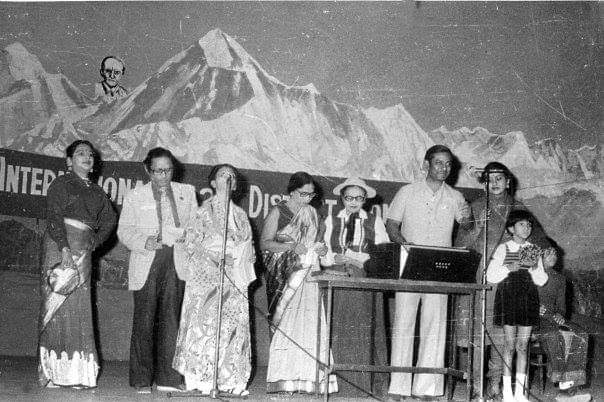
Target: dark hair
[
  {"x": 499, "y": 167},
  {"x": 69, "y": 151},
  {"x": 159, "y": 153},
  {"x": 216, "y": 169},
  {"x": 298, "y": 180},
  {"x": 116, "y": 58},
  {"x": 519, "y": 215},
  {"x": 436, "y": 149},
  {"x": 494, "y": 166}
]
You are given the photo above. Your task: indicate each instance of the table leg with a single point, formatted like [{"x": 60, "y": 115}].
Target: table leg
[
  {"x": 451, "y": 346},
  {"x": 469, "y": 365},
  {"x": 326, "y": 359},
  {"x": 318, "y": 343}
]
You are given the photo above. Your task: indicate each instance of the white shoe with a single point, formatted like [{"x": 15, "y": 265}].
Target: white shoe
[
  {"x": 167, "y": 388},
  {"x": 508, "y": 395},
  {"x": 506, "y": 390},
  {"x": 240, "y": 391},
  {"x": 143, "y": 390},
  {"x": 521, "y": 388},
  {"x": 574, "y": 398}
]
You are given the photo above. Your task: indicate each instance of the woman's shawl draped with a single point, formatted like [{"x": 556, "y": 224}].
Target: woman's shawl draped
[
  {"x": 473, "y": 238},
  {"x": 81, "y": 244},
  {"x": 302, "y": 228}
]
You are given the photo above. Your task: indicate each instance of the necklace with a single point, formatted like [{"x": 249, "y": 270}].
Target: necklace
[{"x": 86, "y": 180}]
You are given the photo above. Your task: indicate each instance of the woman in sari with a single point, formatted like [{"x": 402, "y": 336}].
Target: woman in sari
[
  {"x": 290, "y": 253},
  {"x": 501, "y": 202},
  {"x": 358, "y": 327},
  {"x": 194, "y": 357},
  {"x": 79, "y": 218}
]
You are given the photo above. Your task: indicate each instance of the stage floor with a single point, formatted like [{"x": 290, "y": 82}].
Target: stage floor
[{"x": 18, "y": 383}]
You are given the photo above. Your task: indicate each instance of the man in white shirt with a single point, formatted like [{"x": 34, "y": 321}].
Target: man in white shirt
[{"x": 424, "y": 213}]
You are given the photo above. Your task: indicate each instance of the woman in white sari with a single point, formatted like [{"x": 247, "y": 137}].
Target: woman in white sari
[
  {"x": 291, "y": 253},
  {"x": 194, "y": 357}
]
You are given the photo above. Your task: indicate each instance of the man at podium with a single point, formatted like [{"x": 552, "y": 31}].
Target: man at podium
[{"x": 424, "y": 213}]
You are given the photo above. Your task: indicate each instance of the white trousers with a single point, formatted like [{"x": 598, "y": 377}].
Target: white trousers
[{"x": 431, "y": 353}]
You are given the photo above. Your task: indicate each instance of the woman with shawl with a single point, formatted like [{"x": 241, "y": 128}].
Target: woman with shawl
[
  {"x": 79, "y": 218},
  {"x": 194, "y": 357},
  {"x": 291, "y": 253},
  {"x": 501, "y": 187}
]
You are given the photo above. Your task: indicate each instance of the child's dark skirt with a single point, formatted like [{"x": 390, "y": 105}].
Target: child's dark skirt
[{"x": 517, "y": 300}]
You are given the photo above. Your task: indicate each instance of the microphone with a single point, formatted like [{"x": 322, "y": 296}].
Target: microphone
[{"x": 229, "y": 181}]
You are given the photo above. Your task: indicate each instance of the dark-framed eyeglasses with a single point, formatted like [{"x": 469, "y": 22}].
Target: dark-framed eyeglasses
[
  {"x": 159, "y": 172},
  {"x": 304, "y": 194},
  {"x": 358, "y": 198}
]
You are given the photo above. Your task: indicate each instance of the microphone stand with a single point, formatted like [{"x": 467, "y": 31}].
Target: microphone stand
[
  {"x": 214, "y": 393},
  {"x": 483, "y": 293}
]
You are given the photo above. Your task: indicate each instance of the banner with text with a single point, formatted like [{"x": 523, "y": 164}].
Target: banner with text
[{"x": 25, "y": 178}]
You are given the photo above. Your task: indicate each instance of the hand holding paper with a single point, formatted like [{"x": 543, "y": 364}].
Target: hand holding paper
[{"x": 171, "y": 235}]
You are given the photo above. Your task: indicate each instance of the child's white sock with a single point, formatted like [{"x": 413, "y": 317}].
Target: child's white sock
[
  {"x": 519, "y": 391},
  {"x": 508, "y": 395}
]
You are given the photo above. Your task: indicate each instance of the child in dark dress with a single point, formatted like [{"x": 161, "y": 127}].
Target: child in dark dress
[{"x": 518, "y": 269}]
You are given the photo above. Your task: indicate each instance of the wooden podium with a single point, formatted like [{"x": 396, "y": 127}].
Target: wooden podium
[{"x": 327, "y": 283}]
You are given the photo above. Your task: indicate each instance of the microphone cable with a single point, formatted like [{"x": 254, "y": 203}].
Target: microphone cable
[{"x": 275, "y": 328}]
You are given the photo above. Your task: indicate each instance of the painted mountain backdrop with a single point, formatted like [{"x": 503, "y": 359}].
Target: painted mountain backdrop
[{"x": 213, "y": 102}]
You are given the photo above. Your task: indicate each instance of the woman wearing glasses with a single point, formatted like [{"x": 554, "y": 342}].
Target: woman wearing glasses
[
  {"x": 290, "y": 253},
  {"x": 358, "y": 322},
  {"x": 79, "y": 218}
]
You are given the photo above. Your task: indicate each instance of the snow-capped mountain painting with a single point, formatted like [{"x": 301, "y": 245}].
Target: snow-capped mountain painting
[{"x": 213, "y": 102}]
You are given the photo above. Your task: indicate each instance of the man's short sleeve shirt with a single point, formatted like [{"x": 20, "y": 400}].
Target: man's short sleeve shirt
[{"x": 426, "y": 217}]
